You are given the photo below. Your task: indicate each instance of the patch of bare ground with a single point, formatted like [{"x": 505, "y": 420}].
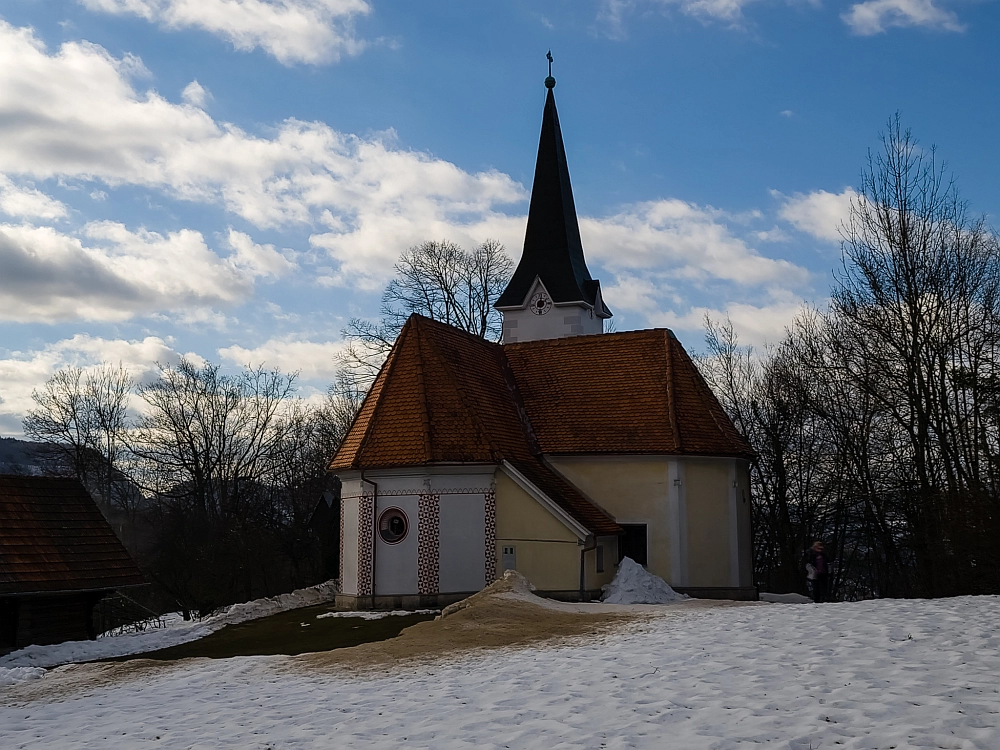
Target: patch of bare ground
[{"x": 504, "y": 615}]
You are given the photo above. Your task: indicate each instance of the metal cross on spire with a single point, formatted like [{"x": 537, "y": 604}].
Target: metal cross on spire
[{"x": 550, "y": 82}]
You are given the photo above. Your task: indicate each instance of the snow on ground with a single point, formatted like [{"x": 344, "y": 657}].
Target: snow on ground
[
  {"x": 176, "y": 632},
  {"x": 15, "y": 675},
  {"x": 876, "y": 674},
  {"x": 633, "y": 584}
]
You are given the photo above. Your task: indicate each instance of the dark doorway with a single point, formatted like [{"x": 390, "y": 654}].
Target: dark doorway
[{"x": 633, "y": 542}]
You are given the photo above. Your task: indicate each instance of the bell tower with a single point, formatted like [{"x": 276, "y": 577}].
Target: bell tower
[{"x": 551, "y": 294}]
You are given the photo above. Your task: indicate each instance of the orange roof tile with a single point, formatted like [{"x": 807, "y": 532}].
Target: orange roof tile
[
  {"x": 446, "y": 396},
  {"x": 631, "y": 392}
]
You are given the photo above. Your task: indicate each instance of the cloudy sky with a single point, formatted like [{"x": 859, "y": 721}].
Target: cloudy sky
[{"x": 232, "y": 179}]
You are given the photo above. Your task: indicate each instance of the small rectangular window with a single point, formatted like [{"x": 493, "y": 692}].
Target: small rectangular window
[
  {"x": 509, "y": 558},
  {"x": 600, "y": 559},
  {"x": 633, "y": 542}
]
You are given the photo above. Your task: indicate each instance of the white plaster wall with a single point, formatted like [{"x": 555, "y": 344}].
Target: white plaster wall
[
  {"x": 396, "y": 564},
  {"x": 349, "y": 569},
  {"x": 462, "y": 559},
  {"x": 477, "y": 479},
  {"x": 559, "y": 322}
]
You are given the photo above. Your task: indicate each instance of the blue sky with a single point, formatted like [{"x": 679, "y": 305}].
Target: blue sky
[{"x": 231, "y": 180}]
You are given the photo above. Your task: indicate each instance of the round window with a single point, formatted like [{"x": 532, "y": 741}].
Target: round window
[{"x": 392, "y": 526}]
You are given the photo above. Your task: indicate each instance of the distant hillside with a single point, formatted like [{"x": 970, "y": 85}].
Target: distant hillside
[{"x": 18, "y": 457}]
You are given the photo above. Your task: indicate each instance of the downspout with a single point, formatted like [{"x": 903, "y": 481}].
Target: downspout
[
  {"x": 592, "y": 540},
  {"x": 374, "y": 529}
]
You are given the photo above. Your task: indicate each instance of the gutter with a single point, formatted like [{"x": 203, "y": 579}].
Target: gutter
[{"x": 592, "y": 541}]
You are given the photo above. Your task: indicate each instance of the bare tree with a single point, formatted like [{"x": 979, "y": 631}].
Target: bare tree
[
  {"x": 441, "y": 281},
  {"x": 207, "y": 445},
  {"x": 81, "y": 420},
  {"x": 876, "y": 422}
]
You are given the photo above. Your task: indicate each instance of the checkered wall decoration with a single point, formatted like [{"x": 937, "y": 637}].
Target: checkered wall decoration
[
  {"x": 491, "y": 536},
  {"x": 366, "y": 542},
  {"x": 428, "y": 544},
  {"x": 340, "y": 569}
]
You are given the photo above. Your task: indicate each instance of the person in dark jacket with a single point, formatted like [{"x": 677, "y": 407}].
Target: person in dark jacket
[{"x": 818, "y": 570}]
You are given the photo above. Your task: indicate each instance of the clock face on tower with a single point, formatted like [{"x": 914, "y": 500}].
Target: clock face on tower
[{"x": 540, "y": 303}]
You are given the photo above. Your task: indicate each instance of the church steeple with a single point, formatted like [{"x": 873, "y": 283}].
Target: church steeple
[{"x": 552, "y": 262}]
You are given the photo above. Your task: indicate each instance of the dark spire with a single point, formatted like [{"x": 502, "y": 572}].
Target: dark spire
[{"x": 552, "y": 251}]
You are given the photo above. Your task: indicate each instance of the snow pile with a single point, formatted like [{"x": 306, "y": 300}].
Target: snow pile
[
  {"x": 176, "y": 631},
  {"x": 19, "y": 674},
  {"x": 321, "y": 593},
  {"x": 378, "y": 615},
  {"x": 633, "y": 584},
  {"x": 512, "y": 585}
]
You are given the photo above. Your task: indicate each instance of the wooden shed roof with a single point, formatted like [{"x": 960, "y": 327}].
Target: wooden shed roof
[{"x": 53, "y": 538}]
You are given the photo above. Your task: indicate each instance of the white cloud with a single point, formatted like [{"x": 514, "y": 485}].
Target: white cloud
[
  {"x": 50, "y": 276},
  {"x": 28, "y": 203},
  {"x": 612, "y": 15},
  {"x": 83, "y": 119},
  {"x": 875, "y": 16},
  {"x": 257, "y": 260},
  {"x": 756, "y": 325},
  {"x": 22, "y": 372},
  {"x": 313, "y": 360},
  {"x": 818, "y": 213},
  {"x": 195, "y": 94},
  {"x": 75, "y": 114},
  {"x": 292, "y": 31},
  {"x": 689, "y": 242}
]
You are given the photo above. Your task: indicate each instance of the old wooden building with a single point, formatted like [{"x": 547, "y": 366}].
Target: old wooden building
[{"x": 58, "y": 558}]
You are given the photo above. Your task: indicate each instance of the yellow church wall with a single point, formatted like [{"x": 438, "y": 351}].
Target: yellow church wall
[
  {"x": 709, "y": 527},
  {"x": 632, "y": 491},
  {"x": 594, "y": 579},
  {"x": 547, "y": 552}
]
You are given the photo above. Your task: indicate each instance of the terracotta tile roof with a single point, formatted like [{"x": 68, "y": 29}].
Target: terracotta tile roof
[
  {"x": 54, "y": 538},
  {"x": 446, "y": 396},
  {"x": 631, "y": 392}
]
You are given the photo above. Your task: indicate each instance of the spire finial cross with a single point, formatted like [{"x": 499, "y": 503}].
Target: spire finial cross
[{"x": 550, "y": 82}]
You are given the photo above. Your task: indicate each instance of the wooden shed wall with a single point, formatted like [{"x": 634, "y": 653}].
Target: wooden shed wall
[{"x": 43, "y": 620}]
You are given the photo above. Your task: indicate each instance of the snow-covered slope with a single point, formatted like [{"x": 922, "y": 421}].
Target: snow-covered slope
[
  {"x": 633, "y": 584},
  {"x": 876, "y": 674}
]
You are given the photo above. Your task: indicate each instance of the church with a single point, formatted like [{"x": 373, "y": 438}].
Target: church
[{"x": 555, "y": 453}]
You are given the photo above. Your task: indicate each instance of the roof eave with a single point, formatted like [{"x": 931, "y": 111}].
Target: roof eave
[{"x": 581, "y": 531}]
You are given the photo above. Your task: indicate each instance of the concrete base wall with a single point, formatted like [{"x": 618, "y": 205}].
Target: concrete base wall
[
  {"x": 350, "y": 602},
  {"x": 740, "y": 594}
]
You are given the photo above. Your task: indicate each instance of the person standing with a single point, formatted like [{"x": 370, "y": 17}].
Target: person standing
[{"x": 818, "y": 570}]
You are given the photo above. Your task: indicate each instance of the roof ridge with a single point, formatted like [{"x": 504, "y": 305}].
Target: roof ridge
[
  {"x": 522, "y": 412},
  {"x": 574, "y": 340},
  {"x": 472, "y": 413},
  {"x": 715, "y": 409},
  {"x": 672, "y": 393},
  {"x": 422, "y": 388},
  {"x": 386, "y": 371}
]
